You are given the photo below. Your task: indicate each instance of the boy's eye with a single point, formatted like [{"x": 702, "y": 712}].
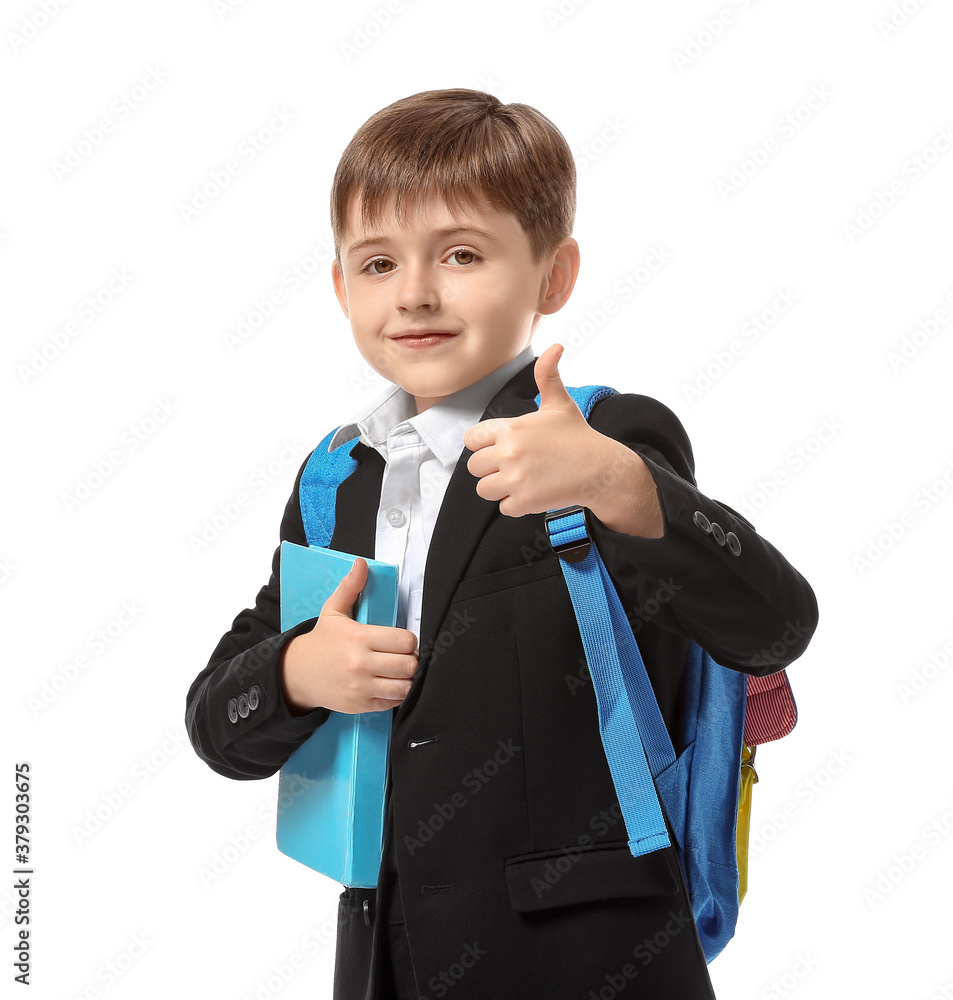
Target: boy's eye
[
  {"x": 465, "y": 253},
  {"x": 372, "y": 266}
]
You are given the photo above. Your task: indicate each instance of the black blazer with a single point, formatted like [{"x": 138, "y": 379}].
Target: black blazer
[{"x": 514, "y": 873}]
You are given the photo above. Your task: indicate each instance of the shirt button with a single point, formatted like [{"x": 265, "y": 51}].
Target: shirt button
[{"x": 395, "y": 517}]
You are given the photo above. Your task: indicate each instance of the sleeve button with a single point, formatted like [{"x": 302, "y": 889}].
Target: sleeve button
[
  {"x": 702, "y": 522},
  {"x": 232, "y": 710},
  {"x": 718, "y": 532},
  {"x": 243, "y": 706},
  {"x": 253, "y": 697},
  {"x": 734, "y": 543}
]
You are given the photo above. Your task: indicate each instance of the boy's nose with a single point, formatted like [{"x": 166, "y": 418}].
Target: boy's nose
[{"x": 418, "y": 288}]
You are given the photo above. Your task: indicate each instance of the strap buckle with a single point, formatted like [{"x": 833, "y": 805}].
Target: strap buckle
[
  {"x": 572, "y": 542},
  {"x": 747, "y": 759}
]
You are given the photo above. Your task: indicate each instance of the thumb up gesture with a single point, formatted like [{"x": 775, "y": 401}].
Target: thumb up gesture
[{"x": 542, "y": 460}]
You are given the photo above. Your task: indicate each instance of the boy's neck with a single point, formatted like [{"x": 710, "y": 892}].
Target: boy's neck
[{"x": 494, "y": 380}]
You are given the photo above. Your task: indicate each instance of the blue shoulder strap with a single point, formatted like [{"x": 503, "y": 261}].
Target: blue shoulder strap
[
  {"x": 699, "y": 787},
  {"x": 629, "y": 715},
  {"x": 322, "y": 476}
]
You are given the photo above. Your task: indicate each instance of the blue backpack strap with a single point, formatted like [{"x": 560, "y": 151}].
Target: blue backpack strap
[
  {"x": 696, "y": 786},
  {"x": 317, "y": 491},
  {"x": 605, "y": 633},
  {"x": 586, "y": 396},
  {"x": 629, "y": 715}
]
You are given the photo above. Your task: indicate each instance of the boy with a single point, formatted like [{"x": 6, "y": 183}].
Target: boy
[{"x": 506, "y": 872}]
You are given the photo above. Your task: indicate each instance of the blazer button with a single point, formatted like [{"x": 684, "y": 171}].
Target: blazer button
[
  {"x": 718, "y": 532},
  {"x": 734, "y": 543},
  {"x": 702, "y": 522},
  {"x": 232, "y": 710},
  {"x": 253, "y": 697},
  {"x": 243, "y": 706}
]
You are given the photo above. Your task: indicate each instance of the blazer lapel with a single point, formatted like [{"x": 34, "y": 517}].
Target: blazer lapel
[{"x": 464, "y": 515}]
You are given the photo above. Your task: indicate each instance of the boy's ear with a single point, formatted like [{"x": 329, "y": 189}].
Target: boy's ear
[
  {"x": 337, "y": 277},
  {"x": 559, "y": 281}
]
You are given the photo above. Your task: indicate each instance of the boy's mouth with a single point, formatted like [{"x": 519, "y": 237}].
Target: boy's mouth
[{"x": 422, "y": 338}]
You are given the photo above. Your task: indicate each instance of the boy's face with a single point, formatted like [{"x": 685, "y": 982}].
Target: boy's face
[{"x": 445, "y": 299}]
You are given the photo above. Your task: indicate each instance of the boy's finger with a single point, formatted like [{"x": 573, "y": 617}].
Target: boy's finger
[
  {"x": 394, "y": 666},
  {"x": 341, "y": 601},
  {"x": 482, "y": 463},
  {"x": 389, "y": 639},
  {"x": 552, "y": 392},
  {"x": 483, "y": 434}
]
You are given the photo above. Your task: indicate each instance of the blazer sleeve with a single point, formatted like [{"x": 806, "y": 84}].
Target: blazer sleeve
[
  {"x": 710, "y": 577},
  {"x": 236, "y": 715}
]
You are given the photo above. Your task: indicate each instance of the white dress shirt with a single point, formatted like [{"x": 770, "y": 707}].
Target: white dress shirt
[{"x": 420, "y": 452}]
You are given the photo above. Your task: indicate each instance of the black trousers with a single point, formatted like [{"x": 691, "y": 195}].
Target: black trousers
[{"x": 396, "y": 970}]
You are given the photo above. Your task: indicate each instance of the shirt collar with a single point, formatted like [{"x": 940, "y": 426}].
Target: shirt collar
[{"x": 441, "y": 426}]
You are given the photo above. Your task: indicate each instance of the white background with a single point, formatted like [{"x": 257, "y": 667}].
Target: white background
[{"x": 813, "y": 430}]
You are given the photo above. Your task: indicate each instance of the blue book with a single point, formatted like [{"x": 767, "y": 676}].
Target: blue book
[{"x": 331, "y": 790}]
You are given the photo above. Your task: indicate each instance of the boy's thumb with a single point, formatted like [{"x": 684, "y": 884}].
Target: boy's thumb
[
  {"x": 348, "y": 590},
  {"x": 552, "y": 392}
]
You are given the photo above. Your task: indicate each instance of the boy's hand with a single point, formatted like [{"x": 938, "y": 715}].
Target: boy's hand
[
  {"x": 553, "y": 458},
  {"x": 540, "y": 460},
  {"x": 344, "y": 665}
]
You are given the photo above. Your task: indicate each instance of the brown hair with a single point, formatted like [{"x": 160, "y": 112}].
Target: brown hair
[{"x": 461, "y": 144}]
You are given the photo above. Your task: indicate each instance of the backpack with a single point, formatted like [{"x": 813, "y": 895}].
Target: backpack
[{"x": 703, "y": 794}]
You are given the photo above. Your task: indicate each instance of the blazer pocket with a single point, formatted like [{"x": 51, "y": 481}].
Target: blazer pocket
[
  {"x": 506, "y": 579},
  {"x": 568, "y": 875}
]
